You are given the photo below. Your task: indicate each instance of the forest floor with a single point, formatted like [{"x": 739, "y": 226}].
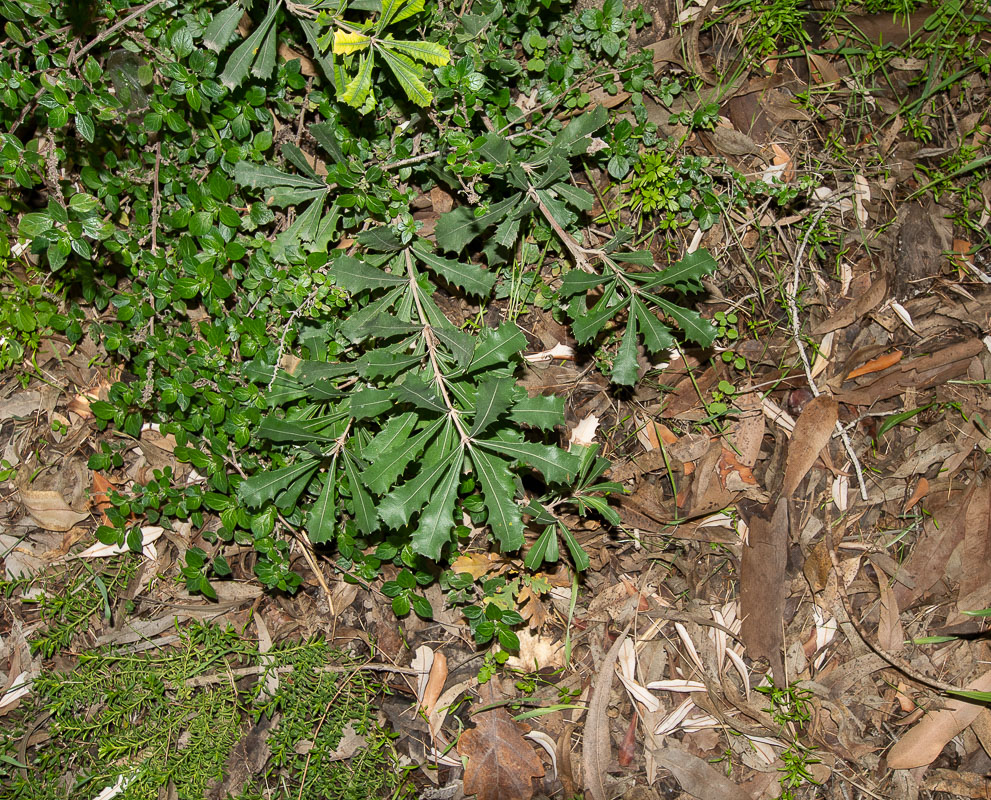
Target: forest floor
[{"x": 812, "y": 498}]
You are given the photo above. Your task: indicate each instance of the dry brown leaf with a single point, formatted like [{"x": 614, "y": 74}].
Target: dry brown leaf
[
  {"x": 696, "y": 776},
  {"x": 49, "y": 509},
  {"x": 926, "y": 564},
  {"x": 101, "y": 485},
  {"x": 22, "y": 404},
  {"x": 822, "y": 71},
  {"x": 962, "y": 258},
  {"x": 479, "y": 564},
  {"x": 658, "y": 432},
  {"x": 955, "y": 783},
  {"x": 435, "y": 683},
  {"x": 923, "y": 743},
  {"x": 975, "y": 555},
  {"x": 813, "y": 430},
  {"x": 441, "y": 201},
  {"x": 921, "y": 490},
  {"x": 763, "y": 586},
  {"x": 306, "y": 65},
  {"x": 783, "y": 160},
  {"x": 877, "y": 364},
  {"x": 537, "y": 652},
  {"x": 890, "y": 634},
  {"x": 737, "y": 477},
  {"x": 855, "y": 309},
  {"x": 501, "y": 763},
  {"x": 597, "y": 744},
  {"x": 532, "y": 608},
  {"x": 748, "y": 430}
]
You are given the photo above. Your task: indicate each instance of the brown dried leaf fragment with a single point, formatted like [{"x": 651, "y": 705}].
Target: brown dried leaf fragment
[
  {"x": 925, "y": 741},
  {"x": 501, "y": 763},
  {"x": 813, "y": 430}
]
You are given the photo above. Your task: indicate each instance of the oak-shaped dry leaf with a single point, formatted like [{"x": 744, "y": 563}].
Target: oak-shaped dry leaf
[
  {"x": 501, "y": 763},
  {"x": 479, "y": 564},
  {"x": 583, "y": 434}
]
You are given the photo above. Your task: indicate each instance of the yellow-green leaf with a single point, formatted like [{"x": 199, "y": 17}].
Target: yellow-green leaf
[
  {"x": 361, "y": 84},
  {"x": 428, "y": 52},
  {"x": 347, "y": 43},
  {"x": 397, "y": 11}
]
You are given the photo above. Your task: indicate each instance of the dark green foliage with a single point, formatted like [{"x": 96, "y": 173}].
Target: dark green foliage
[{"x": 215, "y": 208}]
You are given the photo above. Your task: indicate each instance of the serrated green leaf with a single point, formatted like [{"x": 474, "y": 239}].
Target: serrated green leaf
[
  {"x": 326, "y": 137},
  {"x": 436, "y": 522},
  {"x": 398, "y": 507},
  {"x": 385, "y": 470},
  {"x": 457, "y": 228},
  {"x": 686, "y": 275},
  {"x": 307, "y": 224},
  {"x": 264, "y": 62},
  {"x": 578, "y": 281},
  {"x": 544, "y": 549},
  {"x": 497, "y": 347},
  {"x": 427, "y": 52},
  {"x": 221, "y": 28},
  {"x": 286, "y": 431},
  {"x": 564, "y": 216},
  {"x": 355, "y": 276},
  {"x": 353, "y": 326},
  {"x": 470, "y": 277},
  {"x": 496, "y": 148},
  {"x": 494, "y": 397},
  {"x": 297, "y": 158},
  {"x": 365, "y": 515},
  {"x": 409, "y": 75},
  {"x": 328, "y": 63},
  {"x": 391, "y": 437},
  {"x": 572, "y": 195},
  {"x": 257, "y": 489},
  {"x": 586, "y": 327},
  {"x": 262, "y": 176},
  {"x": 370, "y": 402},
  {"x": 396, "y": 11},
  {"x": 322, "y": 521},
  {"x": 642, "y": 258},
  {"x": 386, "y": 328},
  {"x": 242, "y": 58},
  {"x": 384, "y": 363},
  {"x": 625, "y": 367},
  {"x": 86, "y": 128},
  {"x": 499, "y": 490},
  {"x": 574, "y": 138},
  {"x": 421, "y": 395},
  {"x": 558, "y": 168},
  {"x": 656, "y": 335},
  {"x": 600, "y": 504},
  {"x": 692, "y": 324},
  {"x": 309, "y": 370},
  {"x": 578, "y": 555},
  {"x": 506, "y": 233},
  {"x": 544, "y": 412},
  {"x": 381, "y": 238},
  {"x": 460, "y": 344},
  {"x": 555, "y": 464},
  {"x": 360, "y": 86}
]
